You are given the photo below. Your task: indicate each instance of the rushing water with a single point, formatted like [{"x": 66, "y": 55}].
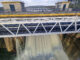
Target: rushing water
[{"x": 44, "y": 47}]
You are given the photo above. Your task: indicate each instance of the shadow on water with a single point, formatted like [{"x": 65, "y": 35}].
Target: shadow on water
[{"x": 4, "y": 55}]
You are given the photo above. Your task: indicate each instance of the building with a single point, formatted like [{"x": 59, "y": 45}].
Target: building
[
  {"x": 75, "y": 5},
  {"x": 14, "y": 6},
  {"x": 1, "y": 9},
  {"x": 74, "y": 1},
  {"x": 63, "y": 6},
  {"x": 40, "y": 9},
  {"x": 70, "y": 0}
]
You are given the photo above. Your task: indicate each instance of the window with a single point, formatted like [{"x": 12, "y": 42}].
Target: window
[{"x": 12, "y": 7}]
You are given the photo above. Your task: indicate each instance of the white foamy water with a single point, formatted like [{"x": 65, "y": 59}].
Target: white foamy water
[{"x": 43, "y": 47}]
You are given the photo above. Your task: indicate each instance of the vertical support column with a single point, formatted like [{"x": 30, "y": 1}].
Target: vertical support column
[
  {"x": 9, "y": 44},
  {"x": 76, "y": 24}
]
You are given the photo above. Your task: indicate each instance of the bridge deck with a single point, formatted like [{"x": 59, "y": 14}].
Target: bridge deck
[
  {"x": 13, "y": 27},
  {"x": 38, "y": 15}
]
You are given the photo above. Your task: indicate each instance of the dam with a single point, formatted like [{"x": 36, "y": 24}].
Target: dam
[{"x": 33, "y": 34}]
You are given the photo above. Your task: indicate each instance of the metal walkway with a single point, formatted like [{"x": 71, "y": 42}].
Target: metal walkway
[{"x": 14, "y": 27}]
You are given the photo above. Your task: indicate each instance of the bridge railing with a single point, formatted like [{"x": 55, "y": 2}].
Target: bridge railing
[{"x": 38, "y": 20}]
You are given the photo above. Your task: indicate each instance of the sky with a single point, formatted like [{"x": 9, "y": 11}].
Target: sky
[{"x": 37, "y": 2}]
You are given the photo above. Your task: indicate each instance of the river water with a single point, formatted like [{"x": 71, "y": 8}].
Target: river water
[{"x": 43, "y": 47}]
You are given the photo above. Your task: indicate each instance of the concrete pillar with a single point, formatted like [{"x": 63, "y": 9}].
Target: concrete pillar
[{"x": 9, "y": 44}]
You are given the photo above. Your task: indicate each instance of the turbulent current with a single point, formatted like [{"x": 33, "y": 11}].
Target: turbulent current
[{"x": 43, "y": 47}]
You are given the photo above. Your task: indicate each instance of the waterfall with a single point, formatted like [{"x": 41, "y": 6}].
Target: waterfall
[{"x": 43, "y": 47}]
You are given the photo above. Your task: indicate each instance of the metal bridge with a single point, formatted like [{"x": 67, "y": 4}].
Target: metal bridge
[{"x": 39, "y": 24}]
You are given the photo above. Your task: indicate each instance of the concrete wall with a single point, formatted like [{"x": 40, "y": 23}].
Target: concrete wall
[{"x": 18, "y": 7}]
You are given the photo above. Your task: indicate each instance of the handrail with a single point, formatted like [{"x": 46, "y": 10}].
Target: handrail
[{"x": 38, "y": 15}]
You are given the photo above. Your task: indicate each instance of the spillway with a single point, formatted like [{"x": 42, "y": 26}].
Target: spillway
[{"x": 43, "y": 47}]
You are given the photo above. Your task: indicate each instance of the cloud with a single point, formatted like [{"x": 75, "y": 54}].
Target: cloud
[{"x": 41, "y": 2}]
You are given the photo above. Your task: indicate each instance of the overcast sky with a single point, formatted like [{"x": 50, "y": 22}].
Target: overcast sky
[{"x": 37, "y": 2}]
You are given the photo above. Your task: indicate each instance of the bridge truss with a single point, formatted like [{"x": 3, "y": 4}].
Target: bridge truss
[{"x": 14, "y": 27}]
